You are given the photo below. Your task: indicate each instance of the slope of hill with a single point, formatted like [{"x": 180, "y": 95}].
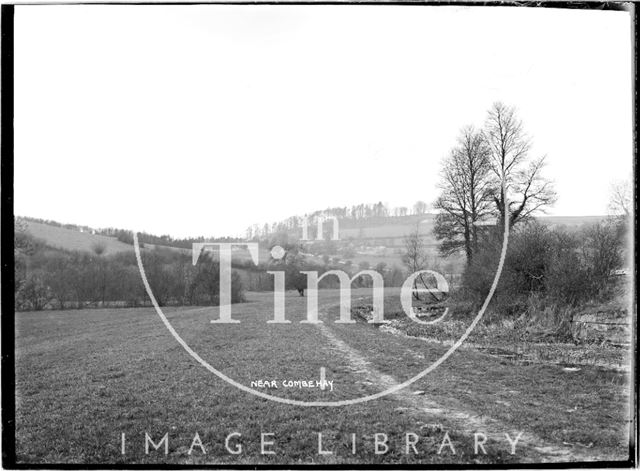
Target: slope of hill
[
  {"x": 379, "y": 232},
  {"x": 570, "y": 221},
  {"x": 392, "y": 232},
  {"x": 69, "y": 239}
]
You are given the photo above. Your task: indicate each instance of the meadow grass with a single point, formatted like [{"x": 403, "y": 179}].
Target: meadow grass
[{"x": 84, "y": 377}]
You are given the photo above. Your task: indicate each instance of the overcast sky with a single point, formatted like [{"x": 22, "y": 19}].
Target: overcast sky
[{"x": 202, "y": 120}]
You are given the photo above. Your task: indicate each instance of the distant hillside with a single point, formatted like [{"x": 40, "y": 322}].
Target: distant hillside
[
  {"x": 570, "y": 221},
  {"x": 82, "y": 239},
  {"x": 70, "y": 239},
  {"x": 382, "y": 238},
  {"x": 390, "y": 231},
  {"x": 374, "y": 240}
]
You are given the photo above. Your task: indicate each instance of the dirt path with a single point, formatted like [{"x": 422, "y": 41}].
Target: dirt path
[{"x": 535, "y": 448}]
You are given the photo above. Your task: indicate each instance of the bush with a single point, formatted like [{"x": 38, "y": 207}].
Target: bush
[
  {"x": 566, "y": 274},
  {"x": 542, "y": 318},
  {"x": 33, "y": 294},
  {"x": 124, "y": 236},
  {"x": 567, "y": 268}
]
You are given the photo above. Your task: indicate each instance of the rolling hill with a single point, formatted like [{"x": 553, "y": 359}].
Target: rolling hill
[
  {"x": 85, "y": 241},
  {"x": 69, "y": 239},
  {"x": 376, "y": 240}
]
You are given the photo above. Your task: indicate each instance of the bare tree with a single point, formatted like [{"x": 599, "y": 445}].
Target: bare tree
[
  {"x": 292, "y": 262},
  {"x": 620, "y": 198},
  {"x": 509, "y": 146},
  {"x": 22, "y": 241},
  {"x": 58, "y": 277},
  {"x": 415, "y": 255},
  {"x": 466, "y": 194},
  {"x": 420, "y": 207},
  {"x": 99, "y": 248}
]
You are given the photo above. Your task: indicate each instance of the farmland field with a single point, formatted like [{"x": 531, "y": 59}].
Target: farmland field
[
  {"x": 85, "y": 377},
  {"x": 69, "y": 239}
]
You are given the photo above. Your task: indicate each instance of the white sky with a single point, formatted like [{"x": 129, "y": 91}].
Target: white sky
[{"x": 202, "y": 120}]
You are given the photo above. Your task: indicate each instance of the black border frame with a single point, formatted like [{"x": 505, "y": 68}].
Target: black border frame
[
  {"x": 6, "y": 237},
  {"x": 7, "y": 317}
]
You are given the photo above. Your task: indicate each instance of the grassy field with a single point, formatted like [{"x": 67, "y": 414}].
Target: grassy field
[
  {"x": 69, "y": 239},
  {"x": 83, "y": 378},
  {"x": 392, "y": 229},
  {"x": 401, "y": 227}
]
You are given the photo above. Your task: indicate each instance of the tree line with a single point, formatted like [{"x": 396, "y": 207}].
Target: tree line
[
  {"x": 353, "y": 213},
  {"x": 52, "y": 278},
  {"x": 126, "y": 236}
]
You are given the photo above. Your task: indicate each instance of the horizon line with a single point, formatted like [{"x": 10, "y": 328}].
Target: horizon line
[{"x": 542, "y": 216}]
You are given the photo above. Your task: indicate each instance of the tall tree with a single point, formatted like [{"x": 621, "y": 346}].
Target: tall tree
[
  {"x": 620, "y": 200},
  {"x": 99, "y": 248},
  {"x": 466, "y": 194},
  {"x": 292, "y": 262},
  {"x": 415, "y": 255},
  {"x": 509, "y": 147}
]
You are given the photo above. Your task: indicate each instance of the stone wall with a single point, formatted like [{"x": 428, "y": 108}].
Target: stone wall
[{"x": 611, "y": 325}]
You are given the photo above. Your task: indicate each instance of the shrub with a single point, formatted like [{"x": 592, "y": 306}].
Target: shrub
[
  {"x": 33, "y": 293},
  {"x": 124, "y": 236},
  {"x": 566, "y": 273},
  {"x": 568, "y": 268}
]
